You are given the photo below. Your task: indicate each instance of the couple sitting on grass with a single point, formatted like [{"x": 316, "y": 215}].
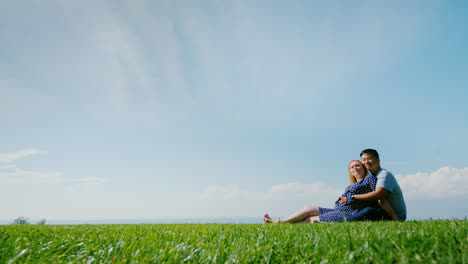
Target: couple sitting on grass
[{"x": 374, "y": 195}]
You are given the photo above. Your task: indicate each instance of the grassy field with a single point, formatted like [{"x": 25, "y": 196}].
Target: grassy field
[{"x": 439, "y": 241}]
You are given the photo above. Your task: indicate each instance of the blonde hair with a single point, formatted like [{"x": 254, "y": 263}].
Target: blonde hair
[{"x": 351, "y": 177}]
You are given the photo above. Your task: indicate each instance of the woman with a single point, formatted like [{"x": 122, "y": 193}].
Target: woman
[{"x": 361, "y": 182}]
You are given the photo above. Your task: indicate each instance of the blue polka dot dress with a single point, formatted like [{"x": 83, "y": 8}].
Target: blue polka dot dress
[{"x": 340, "y": 212}]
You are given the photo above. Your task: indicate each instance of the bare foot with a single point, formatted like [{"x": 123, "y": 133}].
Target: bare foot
[{"x": 267, "y": 219}]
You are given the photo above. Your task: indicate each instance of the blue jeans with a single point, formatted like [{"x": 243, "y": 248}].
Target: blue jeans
[{"x": 369, "y": 214}]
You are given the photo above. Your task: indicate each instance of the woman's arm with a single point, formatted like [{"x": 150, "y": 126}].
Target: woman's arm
[{"x": 386, "y": 206}]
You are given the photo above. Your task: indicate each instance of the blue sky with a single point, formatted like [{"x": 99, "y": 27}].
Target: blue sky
[{"x": 162, "y": 109}]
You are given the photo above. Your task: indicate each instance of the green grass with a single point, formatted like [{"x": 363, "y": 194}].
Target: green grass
[{"x": 439, "y": 241}]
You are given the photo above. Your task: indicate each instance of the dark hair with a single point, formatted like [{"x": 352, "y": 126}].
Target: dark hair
[{"x": 372, "y": 152}]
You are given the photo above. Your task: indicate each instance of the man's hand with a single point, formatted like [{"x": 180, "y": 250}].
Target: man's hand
[{"x": 342, "y": 200}]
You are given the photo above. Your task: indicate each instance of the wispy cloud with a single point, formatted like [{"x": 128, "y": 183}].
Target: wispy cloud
[
  {"x": 316, "y": 191},
  {"x": 154, "y": 59},
  {"x": 11, "y": 174},
  {"x": 20, "y": 154},
  {"x": 281, "y": 199},
  {"x": 19, "y": 176}
]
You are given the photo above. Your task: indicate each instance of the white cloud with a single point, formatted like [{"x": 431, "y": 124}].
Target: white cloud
[
  {"x": 19, "y": 176},
  {"x": 442, "y": 183},
  {"x": 225, "y": 193},
  {"x": 289, "y": 191},
  {"x": 314, "y": 191},
  {"x": 11, "y": 174},
  {"x": 5, "y": 167},
  {"x": 20, "y": 154},
  {"x": 281, "y": 199}
]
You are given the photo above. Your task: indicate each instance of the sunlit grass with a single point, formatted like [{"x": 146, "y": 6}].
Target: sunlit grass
[{"x": 441, "y": 241}]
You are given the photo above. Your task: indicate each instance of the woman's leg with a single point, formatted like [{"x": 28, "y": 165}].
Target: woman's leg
[
  {"x": 299, "y": 216},
  {"x": 312, "y": 219}
]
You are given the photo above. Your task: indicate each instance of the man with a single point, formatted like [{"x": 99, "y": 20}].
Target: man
[{"x": 386, "y": 188}]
